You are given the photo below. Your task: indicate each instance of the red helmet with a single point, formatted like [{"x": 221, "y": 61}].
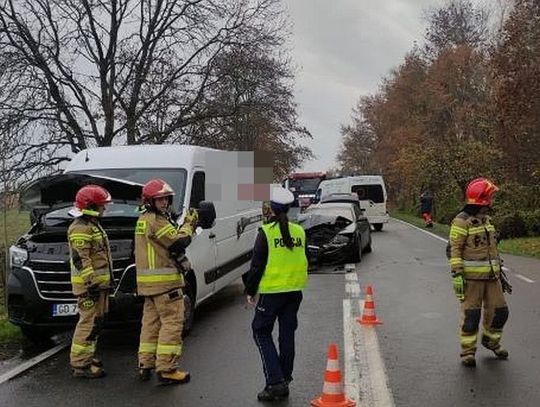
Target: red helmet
[
  {"x": 480, "y": 191},
  {"x": 156, "y": 188},
  {"x": 91, "y": 196}
]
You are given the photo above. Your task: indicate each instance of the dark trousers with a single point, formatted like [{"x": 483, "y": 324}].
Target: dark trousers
[{"x": 284, "y": 308}]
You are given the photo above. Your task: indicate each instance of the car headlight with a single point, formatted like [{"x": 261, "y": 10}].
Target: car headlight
[
  {"x": 338, "y": 241},
  {"x": 17, "y": 256}
]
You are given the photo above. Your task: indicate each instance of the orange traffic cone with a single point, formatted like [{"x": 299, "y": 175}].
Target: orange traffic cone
[
  {"x": 332, "y": 395},
  {"x": 368, "y": 315}
]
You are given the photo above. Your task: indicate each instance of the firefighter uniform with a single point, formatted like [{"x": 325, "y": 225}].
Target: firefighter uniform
[
  {"x": 474, "y": 255},
  {"x": 91, "y": 268},
  {"x": 160, "y": 280}
]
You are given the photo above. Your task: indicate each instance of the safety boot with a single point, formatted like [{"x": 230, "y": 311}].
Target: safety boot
[
  {"x": 174, "y": 377},
  {"x": 145, "y": 374},
  {"x": 97, "y": 362},
  {"x": 274, "y": 392},
  {"x": 468, "y": 360},
  {"x": 88, "y": 372},
  {"x": 500, "y": 352}
]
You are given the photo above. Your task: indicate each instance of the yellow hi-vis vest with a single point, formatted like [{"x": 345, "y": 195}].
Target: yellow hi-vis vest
[{"x": 286, "y": 270}]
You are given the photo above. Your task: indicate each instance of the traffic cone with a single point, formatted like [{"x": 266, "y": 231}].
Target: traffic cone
[
  {"x": 332, "y": 395},
  {"x": 368, "y": 315}
]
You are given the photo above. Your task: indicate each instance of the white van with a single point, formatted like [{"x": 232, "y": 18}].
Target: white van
[
  {"x": 219, "y": 255},
  {"x": 370, "y": 190}
]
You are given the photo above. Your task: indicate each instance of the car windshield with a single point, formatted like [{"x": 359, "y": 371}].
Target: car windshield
[
  {"x": 306, "y": 185},
  {"x": 331, "y": 211}
]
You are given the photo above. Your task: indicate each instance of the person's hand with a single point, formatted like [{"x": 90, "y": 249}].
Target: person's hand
[
  {"x": 192, "y": 217},
  {"x": 459, "y": 286},
  {"x": 251, "y": 300}
]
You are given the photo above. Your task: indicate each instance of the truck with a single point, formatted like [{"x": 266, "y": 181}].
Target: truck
[
  {"x": 303, "y": 185},
  {"x": 39, "y": 292}
]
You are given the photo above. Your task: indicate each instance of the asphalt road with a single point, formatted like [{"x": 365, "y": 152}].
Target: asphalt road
[{"x": 418, "y": 343}]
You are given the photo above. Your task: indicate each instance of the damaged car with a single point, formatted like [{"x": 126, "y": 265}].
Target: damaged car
[{"x": 336, "y": 233}]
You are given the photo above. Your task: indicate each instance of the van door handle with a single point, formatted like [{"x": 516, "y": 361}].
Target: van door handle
[{"x": 212, "y": 235}]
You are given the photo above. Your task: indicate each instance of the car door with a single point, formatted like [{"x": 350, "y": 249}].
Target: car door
[{"x": 362, "y": 225}]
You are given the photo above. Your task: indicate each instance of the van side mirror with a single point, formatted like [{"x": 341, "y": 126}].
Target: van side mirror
[{"x": 207, "y": 214}]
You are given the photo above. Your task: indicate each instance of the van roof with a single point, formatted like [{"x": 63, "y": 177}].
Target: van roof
[{"x": 139, "y": 156}]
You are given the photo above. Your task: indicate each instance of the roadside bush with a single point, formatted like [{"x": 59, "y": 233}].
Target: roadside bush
[
  {"x": 532, "y": 222},
  {"x": 510, "y": 225}
]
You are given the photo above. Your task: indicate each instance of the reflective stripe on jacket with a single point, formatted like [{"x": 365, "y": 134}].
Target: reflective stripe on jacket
[
  {"x": 157, "y": 271},
  {"x": 473, "y": 248},
  {"x": 286, "y": 270},
  {"x": 90, "y": 255}
]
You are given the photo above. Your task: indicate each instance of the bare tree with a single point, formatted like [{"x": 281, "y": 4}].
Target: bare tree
[{"x": 95, "y": 72}]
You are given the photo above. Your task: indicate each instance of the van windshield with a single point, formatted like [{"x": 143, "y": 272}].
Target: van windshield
[
  {"x": 175, "y": 177},
  {"x": 367, "y": 192}
]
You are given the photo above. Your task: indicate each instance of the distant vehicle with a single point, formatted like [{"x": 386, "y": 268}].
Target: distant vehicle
[
  {"x": 40, "y": 298},
  {"x": 303, "y": 185},
  {"x": 371, "y": 192},
  {"x": 336, "y": 233}
]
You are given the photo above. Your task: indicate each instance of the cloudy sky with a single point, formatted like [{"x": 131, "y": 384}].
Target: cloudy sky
[{"x": 342, "y": 49}]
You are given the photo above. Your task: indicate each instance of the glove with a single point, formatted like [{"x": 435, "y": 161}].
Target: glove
[
  {"x": 93, "y": 292},
  {"x": 192, "y": 217},
  {"x": 459, "y": 286}
]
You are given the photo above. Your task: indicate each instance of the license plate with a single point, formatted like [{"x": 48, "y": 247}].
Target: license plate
[{"x": 60, "y": 310}]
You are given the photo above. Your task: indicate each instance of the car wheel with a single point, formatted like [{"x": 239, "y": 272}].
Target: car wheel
[
  {"x": 357, "y": 256},
  {"x": 189, "y": 309},
  {"x": 368, "y": 248},
  {"x": 378, "y": 226}
]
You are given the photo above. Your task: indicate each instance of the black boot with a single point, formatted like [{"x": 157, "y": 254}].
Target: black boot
[{"x": 274, "y": 392}]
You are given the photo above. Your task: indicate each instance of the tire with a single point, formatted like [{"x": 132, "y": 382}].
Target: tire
[
  {"x": 189, "y": 309},
  {"x": 37, "y": 335},
  {"x": 368, "y": 248},
  {"x": 357, "y": 257},
  {"x": 378, "y": 226}
]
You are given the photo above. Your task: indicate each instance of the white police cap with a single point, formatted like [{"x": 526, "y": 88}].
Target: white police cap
[{"x": 281, "y": 196}]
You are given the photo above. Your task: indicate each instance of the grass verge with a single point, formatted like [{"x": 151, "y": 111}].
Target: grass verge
[
  {"x": 8, "y": 331},
  {"x": 523, "y": 246}
]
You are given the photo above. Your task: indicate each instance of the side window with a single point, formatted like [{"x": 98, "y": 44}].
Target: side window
[{"x": 197, "y": 189}]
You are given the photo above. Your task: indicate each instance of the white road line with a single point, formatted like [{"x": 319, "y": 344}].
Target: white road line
[
  {"x": 527, "y": 280},
  {"x": 351, "y": 277},
  {"x": 422, "y": 230},
  {"x": 32, "y": 362},
  {"x": 352, "y": 370},
  {"x": 353, "y": 289},
  {"x": 381, "y": 395}
]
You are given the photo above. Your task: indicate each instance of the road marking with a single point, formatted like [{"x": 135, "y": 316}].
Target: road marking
[
  {"x": 352, "y": 369},
  {"x": 32, "y": 362},
  {"x": 527, "y": 280},
  {"x": 351, "y": 277},
  {"x": 381, "y": 395},
  {"x": 422, "y": 230},
  {"x": 353, "y": 289}
]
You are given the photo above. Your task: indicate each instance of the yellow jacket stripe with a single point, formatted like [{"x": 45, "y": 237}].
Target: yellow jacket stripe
[{"x": 159, "y": 278}]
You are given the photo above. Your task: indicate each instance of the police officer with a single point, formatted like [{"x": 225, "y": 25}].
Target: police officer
[
  {"x": 278, "y": 274},
  {"x": 90, "y": 277},
  {"x": 476, "y": 273},
  {"x": 160, "y": 262}
]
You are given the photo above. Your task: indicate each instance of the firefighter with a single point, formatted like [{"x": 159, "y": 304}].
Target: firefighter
[
  {"x": 476, "y": 273},
  {"x": 91, "y": 268},
  {"x": 278, "y": 274},
  {"x": 159, "y": 255},
  {"x": 426, "y": 208}
]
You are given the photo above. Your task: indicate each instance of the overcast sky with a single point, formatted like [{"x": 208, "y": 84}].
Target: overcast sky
[{"x": 342, "y": 49}]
